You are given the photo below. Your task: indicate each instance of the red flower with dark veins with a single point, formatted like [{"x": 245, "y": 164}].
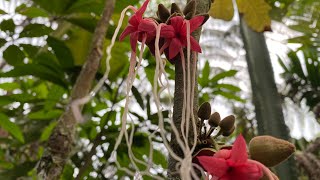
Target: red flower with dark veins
[
  {"x": 232, "y": 164},
  {"x": 139, "y": 28},
  {"x": 175, "y": 34}
]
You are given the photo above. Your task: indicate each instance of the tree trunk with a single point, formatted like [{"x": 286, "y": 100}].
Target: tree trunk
[
  {"x": 62, "y": 139},
  {"x": 202, "y": 6},
  {"x": 266, "y": 99}
]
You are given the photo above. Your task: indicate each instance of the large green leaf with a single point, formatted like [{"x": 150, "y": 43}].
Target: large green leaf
[
  {"x": 13, "y": 55},
  {"x": 35, "y": 30},
  {"x": 222, "y": 75},
  {"x": 11, "y": 127},
  {"x": 36, "y": 70},
  {"x": 45, "y": 115},
  {"x": 229, "y": 95},
  {"x": 62, "y": 52},
  {"x": 86, "y": 21}
]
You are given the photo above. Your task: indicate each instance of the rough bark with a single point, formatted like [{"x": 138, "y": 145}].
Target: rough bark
[
  {"x": 202, "y": 6},
  {"x": 265, "y": 94},
  {"x": 62, "y": 139}
]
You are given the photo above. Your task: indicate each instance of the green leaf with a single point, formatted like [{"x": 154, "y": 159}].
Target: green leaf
[
  {"x": 84, "y": 20},
  {"x": 222, "y": 75},
  {"x": 87, "y": 6},
  {"x": 9, "y": 86},
  {"x": 35, "y": 30},
  {"x": 229, "y": 87},
  {"x": 2, "y": 42},
  {"x": 138, "y": 97},
  {"x": 36, "y": 70},
  {"x": 47, "y": 131},
  {"x": 7, "y": 25},
  {"x": 62, "y": 52},
  {"x": 229, "y": 95},
  {"x": 296, "y": 65},
  {"x": 11, "y": 127},
  {"x": 204, "y": 80},
  {"x": 222, "y": 9},
  {"x": 13, "y": 55},
  {"x": 31, "y": 12},
  {"x": 54, "y": 7},
  {"x": 2, "y": 11},
  {"x": 45, "y": 115}
]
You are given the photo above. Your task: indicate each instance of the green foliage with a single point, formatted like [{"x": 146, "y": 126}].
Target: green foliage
[
  {"x": 11, "y": 127},
  {"x": 213, "y": 85}
]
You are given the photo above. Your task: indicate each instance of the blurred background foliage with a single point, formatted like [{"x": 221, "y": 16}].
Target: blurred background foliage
[{"x": 43, "y": 46}]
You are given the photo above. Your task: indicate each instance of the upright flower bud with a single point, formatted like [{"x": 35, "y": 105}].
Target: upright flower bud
[
  {"x": 270, "y": 151},
  {"x": 214, "y": 119},
  {"x": 228, "y": 133},
  {"x": 163, "y": 13},
  {"x": 204, "y": 111}
]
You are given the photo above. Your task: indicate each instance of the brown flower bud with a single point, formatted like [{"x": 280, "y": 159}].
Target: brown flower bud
[
  {"x": 175, "y": 9},
  {"x": 204, "y": 111},
  {"x": 163, "y": 13},
  {"x": 214, "y": 119},
  {"x": 190, "y": 9},
  {"x": 270, "y": 151},
  {"x": 228, "y": 133},
  {"x": 227, "y": 123}
]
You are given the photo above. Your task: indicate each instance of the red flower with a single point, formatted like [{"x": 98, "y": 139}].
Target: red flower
[
  {"x": 139, "y": 28},
  {"x": 175, "y": 34},
  {"x": 232, "y": 164}
]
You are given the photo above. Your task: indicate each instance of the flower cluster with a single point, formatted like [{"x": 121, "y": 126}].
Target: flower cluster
[{"x": 173, "y": 35}]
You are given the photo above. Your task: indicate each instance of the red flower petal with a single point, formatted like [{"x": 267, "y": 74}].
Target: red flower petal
[
  {"x": 246, "y": 172},
  {"x": 133, "y": 41},
  {"x": 223, "y": 153},
  {"x": 143, "y": 8},
  {"x": 215, "y": 166},
  {"x": 135, "y": 20},
  {"x": 174, "y": 47},
  {"x": 239, "y": 150},
  {"x": 177, "y": 23},
  {"x": 146, "y": 25},
  {"x": 195, "y": 22},
  {"x": 167, "y": 31},
  {"x": 195, "y": 45},
  {"x": 129, "y": 29}
]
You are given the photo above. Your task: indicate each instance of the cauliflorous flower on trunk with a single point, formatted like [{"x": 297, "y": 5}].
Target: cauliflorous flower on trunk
[
  {"x": 175, "y": 34},
  {"x": 232, "y": 164},
  {"x": 139, "y": 28}
]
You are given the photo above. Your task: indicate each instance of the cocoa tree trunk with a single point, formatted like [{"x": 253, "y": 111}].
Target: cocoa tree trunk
[
  {"x": 202, "y": 6},
  {"x": 266, "y": 98}
]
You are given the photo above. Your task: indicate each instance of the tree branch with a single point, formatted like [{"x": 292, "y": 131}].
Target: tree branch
[{"x": 61, "y": 141}]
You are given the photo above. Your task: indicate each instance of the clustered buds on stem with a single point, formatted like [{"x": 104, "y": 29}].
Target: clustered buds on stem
[{"x": 226, "y": 126}]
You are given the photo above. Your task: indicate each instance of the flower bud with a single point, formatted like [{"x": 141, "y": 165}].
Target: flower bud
[
  {"x": 190, "y": 9},
  {"x": 270, "y": 151},
  {"x": 175, "y": 9},
  {"x": 228, "y": 133},
  {"x": 204, "y": 111},
  {"x": 163, "y": 13},
  {"x": 227, "y": 123},
  {"x": 214, "y": 119}
]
